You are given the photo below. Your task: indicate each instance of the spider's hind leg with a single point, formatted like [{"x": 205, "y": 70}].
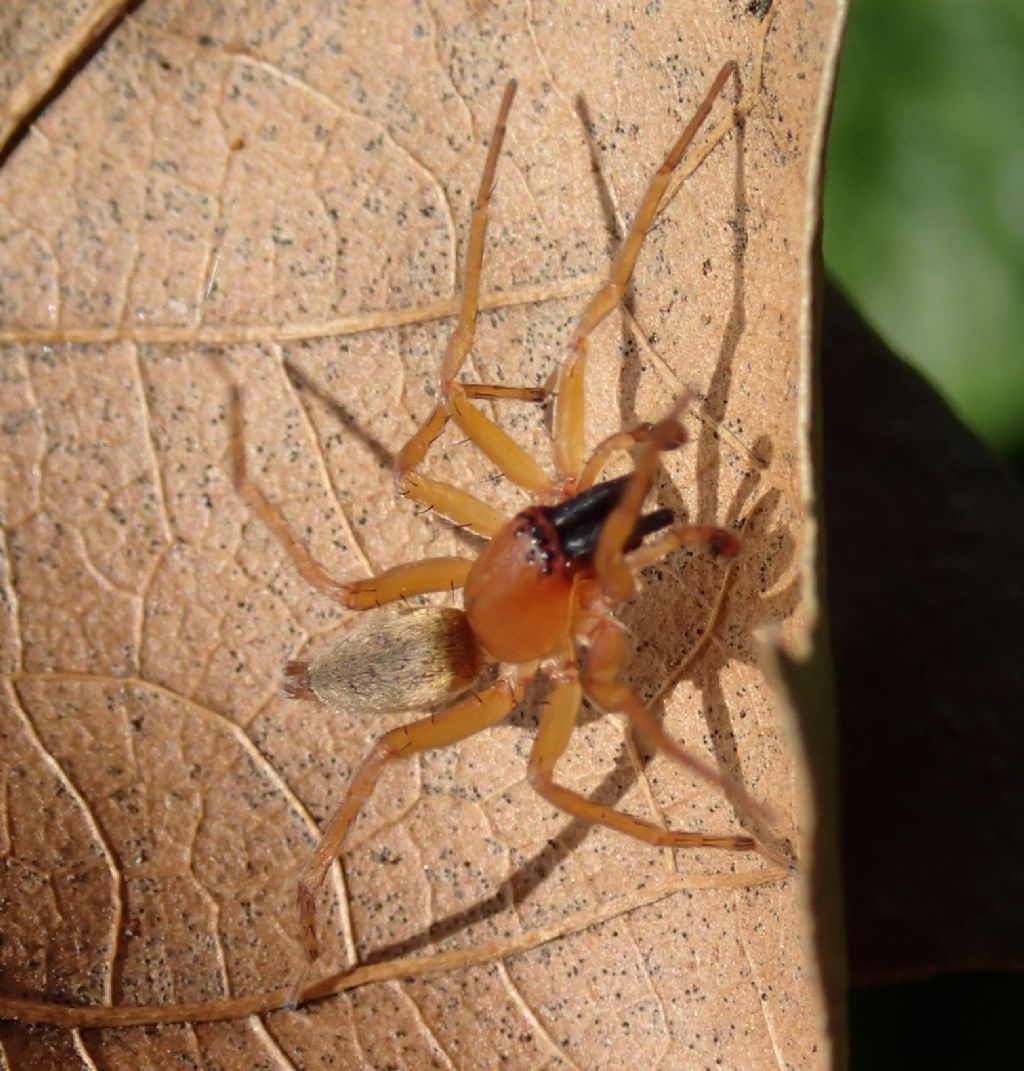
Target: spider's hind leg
[{"x": 463, "y": 719}]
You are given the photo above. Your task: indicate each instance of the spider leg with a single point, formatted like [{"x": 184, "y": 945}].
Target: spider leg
[
  {"x": 615, "y": 570},
  {"x": 569, "y": 407},
  {"x": 602, "y": 685},
  {"x": 496, "y": 444},
  {"x": 465, "y": 718},
  {"x": 614, "y": 573},
  {"x": 720, "y": 543},
  {"x": 466, "y": 510},
  {"x": 556, "y": 727},
  {"x": 403, "y": 581},
  {"x": 406, "y": 580},
  {"x": 513, "y": 461},
  {"x": 461, "y": 341},
  {"x": 747, "y": 103},
  {"x": 495, "y": 391},
  {"x": 458, "y": 505},
  {"x": 309, "y": 568}
]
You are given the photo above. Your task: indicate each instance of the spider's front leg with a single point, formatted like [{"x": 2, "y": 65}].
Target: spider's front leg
[
  {"x": 615, "y": 569},
  {"x": 456, "y": 397},
  {"x": 401, "y": 582},
  {"x": 569, "y": 405}
]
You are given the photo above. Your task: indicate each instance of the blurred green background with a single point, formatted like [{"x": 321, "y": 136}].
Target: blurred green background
[{"x": 924, "y": 197}]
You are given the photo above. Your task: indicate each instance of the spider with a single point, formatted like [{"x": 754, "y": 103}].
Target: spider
[{"x": 540, "y": 596}]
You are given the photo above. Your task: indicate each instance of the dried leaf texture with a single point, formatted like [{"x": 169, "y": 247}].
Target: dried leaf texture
[
  {"x": 288, "y": 192},
  {"x": 42, "y": 45}
]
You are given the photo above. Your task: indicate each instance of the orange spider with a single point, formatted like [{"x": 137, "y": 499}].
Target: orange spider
[{"x": 545, "y": 585}]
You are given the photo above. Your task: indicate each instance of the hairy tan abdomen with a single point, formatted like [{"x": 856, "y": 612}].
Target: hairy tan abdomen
[{"x": 408, "y": 662}]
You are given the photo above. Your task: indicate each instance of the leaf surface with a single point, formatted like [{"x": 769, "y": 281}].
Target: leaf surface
[{"x": 290, "y": 194}]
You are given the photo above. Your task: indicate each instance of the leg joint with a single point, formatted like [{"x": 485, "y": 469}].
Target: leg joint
[
  {"x": 540, "y": 781},
  {"x": 390, "y": 746}
]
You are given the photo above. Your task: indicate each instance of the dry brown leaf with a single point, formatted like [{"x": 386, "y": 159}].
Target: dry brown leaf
[
  {"x": 42, "y": 44},
  {"x": 264, "y": 186}
]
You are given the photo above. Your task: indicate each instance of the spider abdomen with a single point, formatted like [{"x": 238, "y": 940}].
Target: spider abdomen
[{"x": 411, "y": 661}]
